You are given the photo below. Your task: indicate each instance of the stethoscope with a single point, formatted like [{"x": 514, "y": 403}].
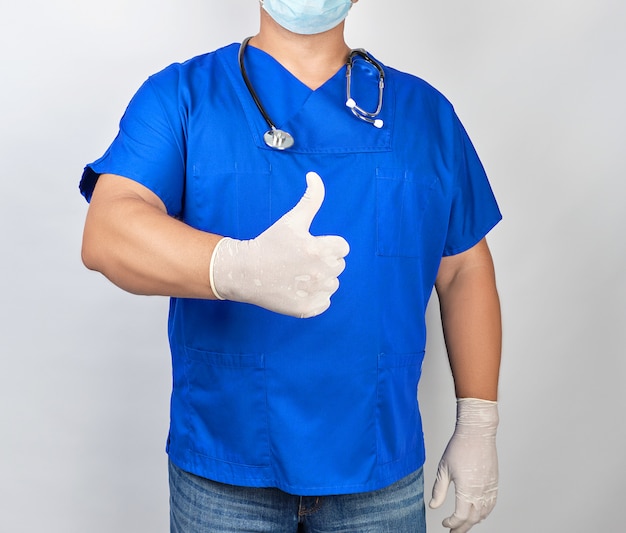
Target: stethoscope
[{"x": 280, "y": 139}]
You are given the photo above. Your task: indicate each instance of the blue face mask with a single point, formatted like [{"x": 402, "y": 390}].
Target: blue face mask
[{"x": 307, "y": 17}]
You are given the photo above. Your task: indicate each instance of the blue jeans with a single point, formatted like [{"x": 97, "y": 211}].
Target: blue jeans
[{"x": 198, "y": 505}]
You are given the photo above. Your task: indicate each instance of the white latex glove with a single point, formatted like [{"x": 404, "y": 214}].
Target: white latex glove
[
  {"x": 285, "y": 269},
  {"x": 471, "y": 462}
]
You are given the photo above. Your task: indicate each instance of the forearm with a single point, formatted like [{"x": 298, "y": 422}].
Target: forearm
[
  {"x": 140, "y": 248},
  {"x": 470, "y": 312}
]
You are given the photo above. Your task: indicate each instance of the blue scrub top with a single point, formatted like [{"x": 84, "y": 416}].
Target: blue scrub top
[{"x": 326, "y": 405}]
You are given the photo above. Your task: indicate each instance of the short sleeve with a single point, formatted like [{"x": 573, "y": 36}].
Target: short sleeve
[
  {"x": 474, "y": 210},
  {"x": 149, "y": 147}
]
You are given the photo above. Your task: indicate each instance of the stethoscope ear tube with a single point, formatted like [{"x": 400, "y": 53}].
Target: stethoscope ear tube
[{"x": 357, "y": 111}]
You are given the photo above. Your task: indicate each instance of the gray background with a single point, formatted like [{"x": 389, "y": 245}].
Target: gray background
[{"x": 84, "y": 367}]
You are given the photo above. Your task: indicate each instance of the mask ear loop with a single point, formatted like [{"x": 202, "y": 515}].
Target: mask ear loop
[{"x": 357, "y": 111}]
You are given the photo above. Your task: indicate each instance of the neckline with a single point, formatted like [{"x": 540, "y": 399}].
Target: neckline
[{"x": 340, "y": 72}]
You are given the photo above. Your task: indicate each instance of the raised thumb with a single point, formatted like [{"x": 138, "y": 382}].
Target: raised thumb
[{"x": 302, "y": 215}]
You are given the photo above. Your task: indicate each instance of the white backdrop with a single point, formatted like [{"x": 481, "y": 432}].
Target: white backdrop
[{"x": 84, "y": 367}]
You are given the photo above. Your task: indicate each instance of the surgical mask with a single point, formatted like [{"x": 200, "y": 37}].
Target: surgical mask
[{"x": 307, "y": 17}]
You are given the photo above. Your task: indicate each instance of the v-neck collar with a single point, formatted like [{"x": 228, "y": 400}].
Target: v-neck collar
[
  {"x": 267, "y": 61},
  {"x": 281, "y": 92},
  {"x": 317, "y": 118}
]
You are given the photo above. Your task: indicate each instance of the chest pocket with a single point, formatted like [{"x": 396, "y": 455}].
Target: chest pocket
[
  {"x": 401, "y": 202},
  {"x": 234, "y": 203}
]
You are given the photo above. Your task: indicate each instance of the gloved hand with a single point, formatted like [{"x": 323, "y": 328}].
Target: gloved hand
[
  {"x": 285, "y": 269},
  {"x": 471, "y": 462}
]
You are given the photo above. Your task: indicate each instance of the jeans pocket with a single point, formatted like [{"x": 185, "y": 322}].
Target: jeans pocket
[
  {"x": 399, "y": 425},
  {"x": 228, "y": 411},
  {"x": 401, "y": 200}
]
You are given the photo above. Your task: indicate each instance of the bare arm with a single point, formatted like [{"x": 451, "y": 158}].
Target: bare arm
[
  {"x": 130, "y": 238},
  {"x": 470, "y": 313}
]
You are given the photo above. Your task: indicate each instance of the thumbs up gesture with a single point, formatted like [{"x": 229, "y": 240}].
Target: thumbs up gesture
[{"x": 285, "y": 269}]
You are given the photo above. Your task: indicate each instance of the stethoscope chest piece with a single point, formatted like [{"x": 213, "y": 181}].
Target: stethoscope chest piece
[{"x": 278, "y": 139}]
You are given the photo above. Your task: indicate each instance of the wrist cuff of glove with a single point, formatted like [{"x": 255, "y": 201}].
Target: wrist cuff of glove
[
  {"x": 212, "y": 269},
  {"x": 477, "y": 413},
  {"x": 475, "y": 401}
]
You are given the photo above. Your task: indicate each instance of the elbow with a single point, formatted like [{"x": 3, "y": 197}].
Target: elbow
[
  {"x": 92, "y": 251},
  {"x": 87, "y": 259},
  {"x": 88, "y": 255},
  {"x": 95, "y": 239}
]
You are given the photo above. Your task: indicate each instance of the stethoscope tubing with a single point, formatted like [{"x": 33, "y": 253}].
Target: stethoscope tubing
[
  {"x": 248, "y": 83},
  {"x": 280, "y": 139}
]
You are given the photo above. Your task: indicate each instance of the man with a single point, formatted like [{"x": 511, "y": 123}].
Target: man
[{"x": 288, "y": 410}]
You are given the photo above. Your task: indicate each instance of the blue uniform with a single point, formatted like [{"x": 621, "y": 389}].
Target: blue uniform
[{"x": 326, "y": 405}]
